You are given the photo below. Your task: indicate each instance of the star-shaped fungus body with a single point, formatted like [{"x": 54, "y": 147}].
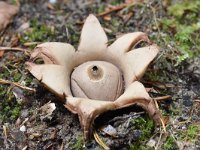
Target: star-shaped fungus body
[{"x": 97, "y": 77}]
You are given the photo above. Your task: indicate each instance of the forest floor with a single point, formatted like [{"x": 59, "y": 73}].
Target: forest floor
[{"x": 174, "y": 76}]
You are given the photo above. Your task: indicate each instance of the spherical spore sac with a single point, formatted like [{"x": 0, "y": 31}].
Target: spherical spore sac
[{"x": 97, "y": 80}]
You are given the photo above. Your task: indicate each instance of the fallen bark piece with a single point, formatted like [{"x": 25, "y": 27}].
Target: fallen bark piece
[
  {"x": 7, "y": 12},
  {"x": 110, "y": 130},
  {"x": 47, "y": 110}
]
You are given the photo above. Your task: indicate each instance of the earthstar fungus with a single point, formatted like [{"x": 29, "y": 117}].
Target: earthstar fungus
[{"x": 96, "y": 78}]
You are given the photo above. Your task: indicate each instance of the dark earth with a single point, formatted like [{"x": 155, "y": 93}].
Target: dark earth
[{"x": 173, "y": 79}]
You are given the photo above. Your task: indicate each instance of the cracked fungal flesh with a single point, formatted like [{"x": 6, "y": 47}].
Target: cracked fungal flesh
[{"x": 97, "y": 77}]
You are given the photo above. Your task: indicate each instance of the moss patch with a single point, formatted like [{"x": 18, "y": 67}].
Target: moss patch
[
  {"x": 191, "y": 134},
  {"x": 38, "y": 33},
  {"x": 183, "y": 24},
  {"x": 146, "y": 126},
  {"x": 170, "y": 144}
]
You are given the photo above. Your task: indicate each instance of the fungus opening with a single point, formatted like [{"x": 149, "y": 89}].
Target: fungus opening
[
  {"x": 95, "y": 73},
  {"x": 95, "y": 68}
]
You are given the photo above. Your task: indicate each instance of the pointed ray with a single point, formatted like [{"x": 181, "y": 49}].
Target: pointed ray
[
  {"x": 54, "y": 53},
  {"x": 136, "y": 61},
  {"x": 127, "y": 42},
  {"x": 93, "y": 37},
  {"x": 137, "y": 94},
  {"x": 55, "y": 77},
  {"x": 88, "y": 110},
  {"x": 134, "y": 92}
]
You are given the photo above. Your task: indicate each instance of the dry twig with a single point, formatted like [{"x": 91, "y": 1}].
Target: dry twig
[
  {"x": 2, "y": 81},
  {"x": 99, "y": 141},
  {"x": 162, "y": 98},
  {"x": 117, "y": 8},
  {"x": 158, "y": 143},
  {"x": 5, "y": 131},
  {"x": 12, "y": 49},
  {"x": 120, "y": 7},
  {"x": 162, "y": 122}
]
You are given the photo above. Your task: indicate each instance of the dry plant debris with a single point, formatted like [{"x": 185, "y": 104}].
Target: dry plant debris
[
  {"x": 7, "y": 12},
  {"x": 97, "y": 78}
]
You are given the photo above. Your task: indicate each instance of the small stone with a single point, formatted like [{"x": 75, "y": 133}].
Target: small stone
[
  {"x": 22, "y": 128},
  {"x": 52, "y": 1},
  {"x": 151, "y": 143},
  {"x": 187, "y": 101},
  {"x": 31, "y": 137},
  {"x": 137, "y": 134},
  {"x": 183, "y": 128},
  {"x": 24, "y": 113}
]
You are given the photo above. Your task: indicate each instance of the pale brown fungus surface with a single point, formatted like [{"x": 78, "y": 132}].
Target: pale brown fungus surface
[
  {"x": 97, "y": 77},
  {"x": 97, "y": 80}
]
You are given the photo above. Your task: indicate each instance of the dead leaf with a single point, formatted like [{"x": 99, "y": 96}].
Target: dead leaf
[
  {"x": 1, "y": 53},
  {"x": 107, "y": 17},
  {"x": 110, "y": 130},
  {"x": 134, "y": 1},
  {"x": 50, "y": 6},
  {"x": 7, "y": 12},
  {"x": 25, "y": 26},
  {"x": 19, "y": 94},
  {"x": 111, "y": 8},
  {"x": 47, "y": 110},
  {"x": 165, "y": 119}
]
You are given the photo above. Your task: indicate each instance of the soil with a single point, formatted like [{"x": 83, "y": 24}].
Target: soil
[{"x": 62, "y": 130}]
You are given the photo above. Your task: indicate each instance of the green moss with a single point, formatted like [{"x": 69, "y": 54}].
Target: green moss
[
  {"x": 146, "y": 126},
  {"x": 2, "y": 91},
  {"x": 114, "y": 25},
  {"x": 170, "y": 144},
  {"x": 140, "y": 147},
  {"x": 74, "y": 35},
  {"x": 11, "y": 70},
  {"x": 4, "y": 73},
  {"x": 79, "y": 143},
  {"x": 191, "y": 134},
  {"x": 28, "y": 80},
  {"x": 10, "y": 109},
  {"x": 15, "y": 112},
  {"x": 182, "y": 26},
  {"x": 101, "y": 9},
  {"x": 17, "y": 77},
  {"x": 153, "y": 76},
  {"x": 38, "y": 33},
  {"x": 179, "y": 9},
  {"x": 116, "y": 2},
  {"x": 14, "y": 2}
]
